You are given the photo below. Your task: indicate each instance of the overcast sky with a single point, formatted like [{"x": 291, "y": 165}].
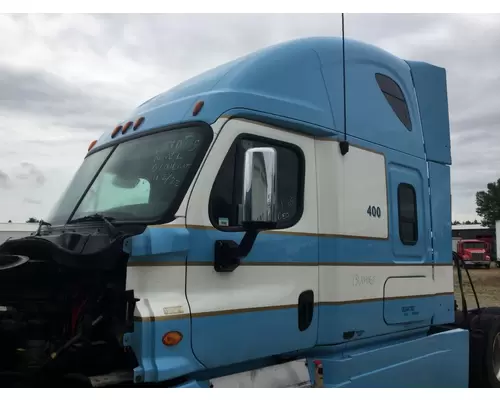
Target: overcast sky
[{"x": 66, "y": 78}]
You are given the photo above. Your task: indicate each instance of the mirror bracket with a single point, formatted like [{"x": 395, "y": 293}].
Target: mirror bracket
[{"x": 228, "y": 254}]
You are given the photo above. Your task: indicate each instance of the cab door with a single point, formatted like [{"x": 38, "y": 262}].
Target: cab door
[{"x": 267, "y": 305}]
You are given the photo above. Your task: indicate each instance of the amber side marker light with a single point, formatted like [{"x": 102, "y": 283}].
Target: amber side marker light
[
  {"x": 126, "y": 127},
  {"x": 171, "y": 338},
  {"x": 197, "y": 107},
  {"x": 92, "y": 144},
  {"x": 115, "y": 131},
  {"x": 138, "y": 123}
]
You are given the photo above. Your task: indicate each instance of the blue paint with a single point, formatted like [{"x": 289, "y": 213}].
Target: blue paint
[
  {"x": 299, "y": 81},
  {"x": 217, "y": 340},
  {"x": 268, "y": 246},
  {"x": 158, "y": 362},
  {"x": 373, "y": 318},
  {"x": 281, "y": 247},
  {"x": 157, "y": 241},
  {"x": 237, "y": 337},
  {"x": 430, "y": 87},
  {"x": 439, "y": 360},
  {"x": 369, "y": 116},
  {"x": 298, "y": 85},
  {"x": 441, "y": 212},
  {"x": 173, "y": 244},
  {"x": 399, "y": 173},
  {"x": 418, "y": 310}
]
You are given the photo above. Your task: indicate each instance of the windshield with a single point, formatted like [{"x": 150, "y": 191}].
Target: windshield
[
  {"x": 138, "y": 180},
  {"x": 474, "y": 245}
]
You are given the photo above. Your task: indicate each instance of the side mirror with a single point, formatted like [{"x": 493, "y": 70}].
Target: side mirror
[
  {"x": 260, "y": 189},
  {"x": 259, "y": 207}
]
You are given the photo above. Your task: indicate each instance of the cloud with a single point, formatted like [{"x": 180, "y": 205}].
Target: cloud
[
  {"x": 64, "y": 79},
  {"x": 40, "y": 93},
  {"x": 31, "y": 174},
  {"x": 31, "y": 201},
  {"x": 4, "y": 180}
]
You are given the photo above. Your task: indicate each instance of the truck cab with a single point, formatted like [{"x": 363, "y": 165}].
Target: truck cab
[
  {"x": 474, "y": 252},
  {"x": 253, "y": 215}
]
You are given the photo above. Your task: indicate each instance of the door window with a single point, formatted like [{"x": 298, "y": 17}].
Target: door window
[{"x": 226, "y": 195}]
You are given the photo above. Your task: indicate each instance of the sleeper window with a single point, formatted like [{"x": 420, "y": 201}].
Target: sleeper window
[
  {"x": 407, "y": 214},
  {"x": 226, "y": 194},
  {"x": 396, "y": 99}
]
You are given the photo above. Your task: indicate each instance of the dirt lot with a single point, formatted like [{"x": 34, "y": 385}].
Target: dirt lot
[{"x": 487, "y": 285}]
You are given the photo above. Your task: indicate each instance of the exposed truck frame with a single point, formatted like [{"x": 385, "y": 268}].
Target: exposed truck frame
[{"x": 233, "y": 232}]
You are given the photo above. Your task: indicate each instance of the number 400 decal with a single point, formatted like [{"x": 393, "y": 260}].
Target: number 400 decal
[{"x": 374, "y": 211}]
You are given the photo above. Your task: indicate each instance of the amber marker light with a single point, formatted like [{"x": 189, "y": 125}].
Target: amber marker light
[
  {"x": 126, "y": 127},
  {"x": 197, "y": 107},
  {"x": 92, "y": 144},
  {"x": 171, "y": 338},
  {"x": 138, "y": 123},
  {"x": 115, "y": 131}
]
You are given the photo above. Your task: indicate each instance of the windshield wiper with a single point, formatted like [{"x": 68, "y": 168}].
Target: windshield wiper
[
  {"x": 40, "y": 224},
  {"x": 98, "y": 217}
]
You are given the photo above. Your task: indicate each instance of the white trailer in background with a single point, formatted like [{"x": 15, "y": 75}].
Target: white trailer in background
[
  {"x": 497, "y": 241},
  {"x": 16, "y": 230}
]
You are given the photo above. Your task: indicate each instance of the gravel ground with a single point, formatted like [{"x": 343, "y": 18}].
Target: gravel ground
[{"x": 487, "y": 285}]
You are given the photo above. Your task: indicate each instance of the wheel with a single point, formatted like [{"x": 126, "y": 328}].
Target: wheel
[
  {"x": 492, "y": 359},
  {"x": 493, "y": 354},
  {"x": 485, "y": 351}
]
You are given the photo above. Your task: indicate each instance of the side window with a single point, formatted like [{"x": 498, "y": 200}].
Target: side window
[
  {"x": 407, "y": 214},
  {"x": 226, "y": 195},
  {"x": 395, "y": 97}
]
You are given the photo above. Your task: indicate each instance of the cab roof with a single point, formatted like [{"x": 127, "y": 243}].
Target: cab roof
[{"x": 301, "y": 82}]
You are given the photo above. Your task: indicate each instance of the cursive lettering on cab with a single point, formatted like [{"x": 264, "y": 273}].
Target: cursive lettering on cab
[{"x": 362, "y": 280}]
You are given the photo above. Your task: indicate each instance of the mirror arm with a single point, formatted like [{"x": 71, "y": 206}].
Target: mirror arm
[
  {"x": 259, "y": 200},
  {"x": 228, "y": 254}
]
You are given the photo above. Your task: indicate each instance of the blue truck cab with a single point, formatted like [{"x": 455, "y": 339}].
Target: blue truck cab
[{"x": 251, "y": 216}]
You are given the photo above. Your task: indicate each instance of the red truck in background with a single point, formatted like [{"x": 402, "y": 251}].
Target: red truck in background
[{"x": 475, "y": 252}]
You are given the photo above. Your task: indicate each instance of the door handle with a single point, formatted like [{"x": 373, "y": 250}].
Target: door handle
[{"x": 305, "y": 309}]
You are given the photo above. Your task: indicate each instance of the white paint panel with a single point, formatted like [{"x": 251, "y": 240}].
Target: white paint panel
[
  {"x": 444, "y": 278},
  {"x": 330, "y": 197},
  {"x": 198, "y": 207},
  {"x": 287, "y": 375},
  {"x": 347, "y": 186},
  {"x": 160, "y": 288},
  {"x": 249, "y": 286},
  {"x": 255, "y": 286},
  {"x": 410, "y": 285},
  {"x": 352, "y": 283},
  {"x": 178, "y": 221}
]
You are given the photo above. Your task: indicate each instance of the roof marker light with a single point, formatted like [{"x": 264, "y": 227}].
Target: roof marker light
[
  {"x": 138, "y": 123},
  {"x": 116, "y": 130},
  {"x": 197, "y": 107},
  {"x": 92, "y": 144},
  {"x": 126, "y": 127}
]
